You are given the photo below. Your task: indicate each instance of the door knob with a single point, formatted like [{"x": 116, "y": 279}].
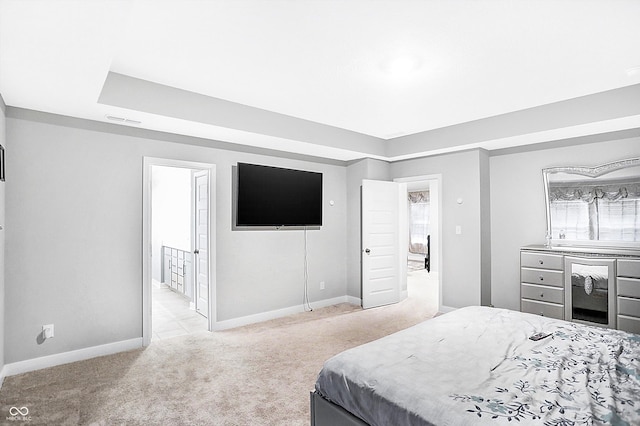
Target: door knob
[
  {"x": 196, "y": 251},
  {"x": 367, "y": 251}
]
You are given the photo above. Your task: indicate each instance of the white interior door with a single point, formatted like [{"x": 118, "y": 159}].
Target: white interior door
[
  {"x": 201, "y": 243},
  {"x": 381, "y": 238}
]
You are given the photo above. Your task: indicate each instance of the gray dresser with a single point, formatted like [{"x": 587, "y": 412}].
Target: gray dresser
[
  {"x": 628, "y": 280},
  {"x": 551, "y": 286},
  {"x": 542, "y": 283}
]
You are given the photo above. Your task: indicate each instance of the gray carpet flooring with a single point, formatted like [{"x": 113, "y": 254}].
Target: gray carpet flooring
[{"x": 255, "y": 375}]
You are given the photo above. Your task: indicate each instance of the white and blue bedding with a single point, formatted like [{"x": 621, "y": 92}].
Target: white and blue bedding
[{"x": 477, "y": 365}]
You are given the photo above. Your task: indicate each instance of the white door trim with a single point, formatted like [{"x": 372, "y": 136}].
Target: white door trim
[
  {"x": 438, "y": 179},
  {"x": 146, "y": 238}
]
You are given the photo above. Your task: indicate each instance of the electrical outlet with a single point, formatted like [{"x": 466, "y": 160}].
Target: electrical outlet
[
  {"x": 47, "y": 331},
  {"x": 321, "y": 285}
]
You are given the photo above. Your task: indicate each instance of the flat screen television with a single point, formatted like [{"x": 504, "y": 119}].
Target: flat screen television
[{"x": 273, "y": 196}]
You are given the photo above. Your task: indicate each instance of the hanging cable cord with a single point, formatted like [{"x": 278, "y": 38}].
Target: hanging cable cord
[{"x": 305, "y": 302}]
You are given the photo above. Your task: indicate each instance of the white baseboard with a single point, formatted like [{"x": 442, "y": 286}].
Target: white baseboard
[
  {"x": 67, "y": 357},
  {"x": 3, "y": 374},
  {"x": 354, "y": 300},
  {"x": 278, "y": 313}
]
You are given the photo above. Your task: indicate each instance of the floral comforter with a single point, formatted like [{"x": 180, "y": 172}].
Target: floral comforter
[{"x": 478, "y": 366}]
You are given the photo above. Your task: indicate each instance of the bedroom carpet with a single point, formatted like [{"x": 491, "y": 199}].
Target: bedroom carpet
[{"x": 259, "y": 374}]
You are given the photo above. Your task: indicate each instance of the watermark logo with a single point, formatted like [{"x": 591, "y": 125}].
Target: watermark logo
[{"x": 19, "y": 414}]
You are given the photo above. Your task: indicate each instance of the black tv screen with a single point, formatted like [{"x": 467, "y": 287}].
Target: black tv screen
[{"x": 273, "y": 196}]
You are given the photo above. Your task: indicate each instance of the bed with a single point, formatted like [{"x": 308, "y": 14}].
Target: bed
[{"x": 478, "y": 365}]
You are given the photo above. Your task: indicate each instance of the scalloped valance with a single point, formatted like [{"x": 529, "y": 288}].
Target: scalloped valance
[
  {"x": 419, "y": 196},
  {"x": 589, "y": 192}
]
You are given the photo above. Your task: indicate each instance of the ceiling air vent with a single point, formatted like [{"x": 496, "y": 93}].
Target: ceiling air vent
[{"x": 122, "y": 119}]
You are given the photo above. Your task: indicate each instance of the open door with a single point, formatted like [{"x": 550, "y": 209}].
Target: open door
[
  {"x": 383, "y": 262},
  {"x": 201, "y": 244}
]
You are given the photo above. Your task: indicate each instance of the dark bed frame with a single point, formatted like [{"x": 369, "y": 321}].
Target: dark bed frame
[{"x": 326, "y": 413}]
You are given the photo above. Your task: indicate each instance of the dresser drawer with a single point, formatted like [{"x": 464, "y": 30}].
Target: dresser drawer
[
  {"x": 542, "y": 276},
  {"x": 541, "y": 260},
  {"x": 629, "y": 287},
  {"x": 630, "y": 324},
  {"x": 551, "y": 310},
  {"x": 542, "y": 293},
  {"x": 629, "y": 268},
  {"x": 628, "y": 306}
]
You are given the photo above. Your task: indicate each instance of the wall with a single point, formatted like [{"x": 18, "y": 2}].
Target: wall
[
  {"x": 518, "y": 215},
  {"x": 74, "y": 228},
  {"x": 74, "y": 210},
  {"x": 356, "y": 172},
  {"x": 462, "y": 263},
  {"x": 485, "y": 228},
  {"x": 171, "y": 213},
  {"x": 3, "y": 142}
]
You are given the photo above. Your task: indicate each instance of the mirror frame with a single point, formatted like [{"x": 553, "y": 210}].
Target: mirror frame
[{"x": 591, "y": 172}]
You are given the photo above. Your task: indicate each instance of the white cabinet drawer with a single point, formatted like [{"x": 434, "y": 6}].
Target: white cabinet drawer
[
  {"x": 542, "y": 276},
  {"x": 551, "y": 310},
  {"x": 541, "y": 260},
  {"x": 543, "y": 293},
  {"x": 629, "y": 268},
  {"x": 628, "y": 306},
  {"x": 629, "y": 287},
  {"x": 630, "y": 324}
]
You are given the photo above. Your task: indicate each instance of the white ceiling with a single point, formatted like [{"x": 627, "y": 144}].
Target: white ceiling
[{"x": 366, "y": 73}]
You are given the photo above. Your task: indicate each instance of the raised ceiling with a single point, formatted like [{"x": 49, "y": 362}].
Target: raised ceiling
[{"x": 339, "y": 79}]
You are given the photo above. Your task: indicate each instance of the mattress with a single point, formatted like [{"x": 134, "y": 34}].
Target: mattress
[{"x": 477, "y": 365}]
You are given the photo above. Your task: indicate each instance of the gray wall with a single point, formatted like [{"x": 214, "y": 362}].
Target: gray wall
[
  {"x": 517, "y": 204},
  {"x": 74, "y": 215},
  {"x": 3, "y": 142},
  {"x": 463, "y": 177},
  {"x": 485, "y": 227},
  {"x": 74, "y": 226}
]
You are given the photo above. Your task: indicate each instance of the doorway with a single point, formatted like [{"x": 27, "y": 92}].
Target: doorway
[
  {"x": 423, "y": 251},
  {"x": 179, "y": 220}
]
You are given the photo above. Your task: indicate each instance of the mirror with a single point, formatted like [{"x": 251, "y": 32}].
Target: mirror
[
  {"x": 589, "y": 292},
  {"x": 590, "y": 295},
  {"x": 595, "y": 206}
]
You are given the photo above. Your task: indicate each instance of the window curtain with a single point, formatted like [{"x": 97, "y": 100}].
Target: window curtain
[
  {"x": 418, "y": 221},
  {"x": 607, "y": 211},
  {"x": 619, "y": 221}
]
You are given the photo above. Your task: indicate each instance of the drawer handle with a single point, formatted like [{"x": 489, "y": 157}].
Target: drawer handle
[
  {"x": 541, "y": 314},
  {"x": 541, "y": 278},
  {"x": 541, "y": 261},
  {"x": 541, "y": 294}
]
